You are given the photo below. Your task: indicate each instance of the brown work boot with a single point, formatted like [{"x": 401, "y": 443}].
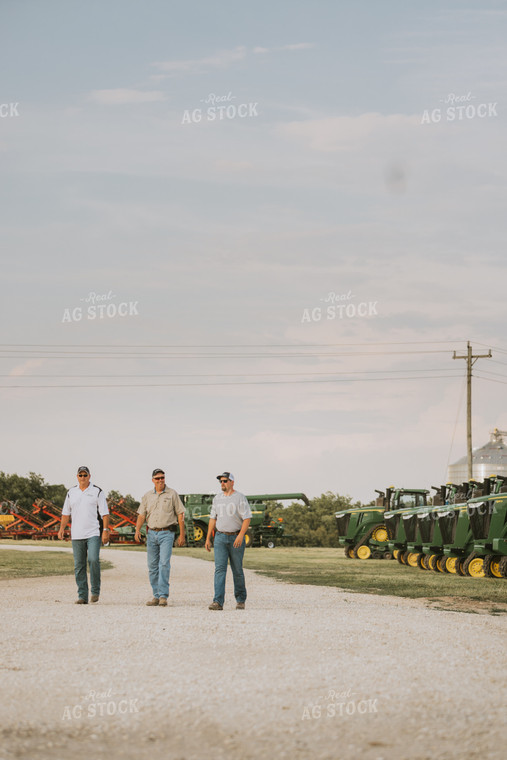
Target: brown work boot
[
  {"x": 162, "y": 602},
  {"x": 81, "y": 601},
  {"x": 215, "y": 606},
  {"x": 240, "y": 606},
  {"x": 153, "y": 602},
  {"x": 94, "y": 598}
]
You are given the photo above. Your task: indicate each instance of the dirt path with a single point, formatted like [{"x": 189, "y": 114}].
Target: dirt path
[{"x": 304, "y": 672}]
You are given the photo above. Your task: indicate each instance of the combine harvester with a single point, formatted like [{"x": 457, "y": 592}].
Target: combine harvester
[{"x": 263, "y": 529}]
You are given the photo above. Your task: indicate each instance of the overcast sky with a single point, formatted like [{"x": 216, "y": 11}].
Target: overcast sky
[{"x": 266, "y": 226}]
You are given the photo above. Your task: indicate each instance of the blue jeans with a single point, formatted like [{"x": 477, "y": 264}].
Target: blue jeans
[
  {"x": 83, "y": 549},
  {"x": 159, "y": 549},
  {"x": 224, "y": 553}
]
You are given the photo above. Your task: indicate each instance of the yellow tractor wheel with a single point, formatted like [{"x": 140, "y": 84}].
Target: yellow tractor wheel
[
  {"x": 395, "y": 553},
  {"x": 412, "y": 559},
  {"x": 492, "y": 566},
  {"x": 440, "y": 564},
  {"x": 432, "y": 562},
  {"x": 476, "y": 567},
  {"x": 380, "y": 533},
  {"x": 363, "y": 552},
  {"x": 450, "y": 565},
  {"x": 349, "y": 551},
  {"x": 198, "y": 533}
]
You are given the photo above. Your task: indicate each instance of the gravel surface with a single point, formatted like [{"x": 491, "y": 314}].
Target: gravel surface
[{"x": 303, "y": 672}]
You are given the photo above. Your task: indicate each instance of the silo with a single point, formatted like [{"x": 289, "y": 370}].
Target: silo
[{"x": 490, "y": 459}]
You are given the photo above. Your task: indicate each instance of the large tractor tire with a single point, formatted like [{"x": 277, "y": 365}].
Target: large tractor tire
[
  {"x": 432, "y": 562},
  {"x": 412, "y": 559},
  {"x": 440, "y": 563},
  {"x": 492, "y": 566},
  {"x": 475, "y": 568},
  {"x": 450, "y": 565},
  {"x": 199, "y": 534},
  {"x": 503, "y": 567},
  {"x": 248, "y": 538},
  {"x": 349, "y": 552},
  {"x": 376, "y": 554},
  {"x": 404, "y": 558},
  {"x": 387, "y": 555},
  {"x": 396, "y": 553},
  {"x": 362, "y": 552},
  {"x": 420, "y": 561},
  {"x": 380, "y": 534},
  {"x": 459, "y": 566}
]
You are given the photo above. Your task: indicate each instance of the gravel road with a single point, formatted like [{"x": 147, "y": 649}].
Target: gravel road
[{"x": 304, "y": 672}]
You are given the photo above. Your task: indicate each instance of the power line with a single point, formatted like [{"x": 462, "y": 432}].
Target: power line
[
  {"x": 250, "y": 374},
  {"x": 230, "y": 345},
  {"x": 259, "y": 382}
]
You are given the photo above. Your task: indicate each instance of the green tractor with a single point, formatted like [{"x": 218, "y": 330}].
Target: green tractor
[
  {"x": 475, "y": 533},
  {"x": 263, "y": 529},
  {"x": 363, "y": 531},
  {"x": 464, "y": 532}
]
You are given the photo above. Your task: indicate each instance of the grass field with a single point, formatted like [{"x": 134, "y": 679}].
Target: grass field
[
  {"x": 33, "y": 564},
  {"x": 329, "y": 567}
]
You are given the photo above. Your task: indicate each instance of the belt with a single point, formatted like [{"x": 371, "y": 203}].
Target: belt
[
  {"x": 167, "y": 527},
  {"x": 233, "y": 533}
]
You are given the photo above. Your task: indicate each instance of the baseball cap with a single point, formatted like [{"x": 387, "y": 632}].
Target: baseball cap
[
  {"x": 228, "y": 475},
  {"x": 83, "y": 469},
  {"x": 157, "y": 471}
]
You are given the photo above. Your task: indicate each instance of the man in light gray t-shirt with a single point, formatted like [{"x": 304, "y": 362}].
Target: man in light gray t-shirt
[{"x": 230, "y": 515}]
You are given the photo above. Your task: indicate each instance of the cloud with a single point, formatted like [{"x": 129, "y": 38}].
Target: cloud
[
  {"x": 221, "y": 60},
  {"x": 345, "y": 132},
  {"x": 296, "y": 46},
  {"x": 293, "y": 46},
  {"x": 125, "y": 96}
]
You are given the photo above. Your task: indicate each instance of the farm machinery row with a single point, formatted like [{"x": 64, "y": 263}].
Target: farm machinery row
[
  {"x": 462, "y": 531},
  {"x": 42, "y": 520}
]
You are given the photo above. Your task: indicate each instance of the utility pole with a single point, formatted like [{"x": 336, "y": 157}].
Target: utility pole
[{"x": 470, "y": 360}]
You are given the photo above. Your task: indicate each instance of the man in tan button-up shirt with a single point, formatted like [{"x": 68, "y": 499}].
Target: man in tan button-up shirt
[{"x": 162, "y": 509}]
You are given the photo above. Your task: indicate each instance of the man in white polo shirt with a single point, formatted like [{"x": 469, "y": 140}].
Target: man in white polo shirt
[
  {"x": 87, "y": 506},
  {"x": 231, "y": 514}
]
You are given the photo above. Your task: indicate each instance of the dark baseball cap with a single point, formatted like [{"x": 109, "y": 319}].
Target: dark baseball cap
[
  {"x": 83, "y": 469},
  {"x": 156, "y": 472},
  {"x": 228, "y": 475}
]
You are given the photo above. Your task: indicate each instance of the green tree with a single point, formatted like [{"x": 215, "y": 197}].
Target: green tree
[
  {"x": 314, "y": 525},
  {"x": 24, "y": 490},
  {"x": 127, "y": 500}
]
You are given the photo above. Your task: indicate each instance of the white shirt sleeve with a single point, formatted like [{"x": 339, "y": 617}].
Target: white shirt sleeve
[
  {"x": 102, "y": 504},
  {"x": 66, "y": 505}
]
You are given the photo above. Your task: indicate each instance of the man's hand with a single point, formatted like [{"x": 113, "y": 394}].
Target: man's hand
[
  {"x": 207, "y": 545},
  {"x": 238, "y": 541},
  {"x": 61, "y": 533},
  {"x": 181, "y": 540},
  {"x": 105, "y": 536},
  {"x": 137, "y": 537}
]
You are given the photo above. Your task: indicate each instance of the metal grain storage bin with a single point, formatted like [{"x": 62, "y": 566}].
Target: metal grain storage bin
[{"x": 490, "y": 459}]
